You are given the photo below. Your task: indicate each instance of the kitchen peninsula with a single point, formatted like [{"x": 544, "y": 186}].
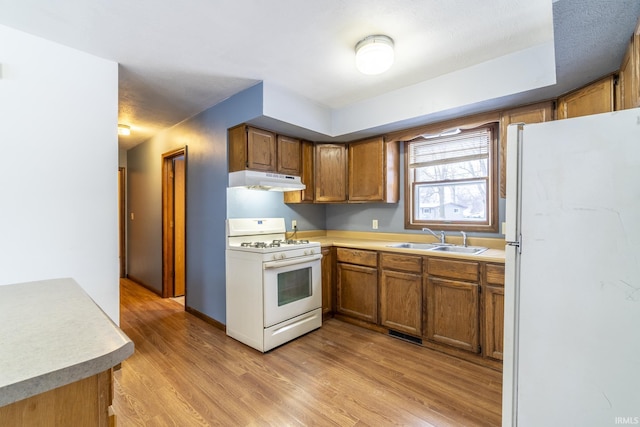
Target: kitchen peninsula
[{"x": 58, "y": 349}]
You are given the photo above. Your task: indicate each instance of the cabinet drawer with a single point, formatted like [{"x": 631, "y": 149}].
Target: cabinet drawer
[
  {"x": 409, "y": 263},
  {"x": 355, "y": 256},
  {"x": 464, "y": 270},
  {"x": 495, "y": 274}
]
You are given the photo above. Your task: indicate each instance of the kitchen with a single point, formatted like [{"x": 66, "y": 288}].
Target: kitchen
[{"x": 207, "y": 180}]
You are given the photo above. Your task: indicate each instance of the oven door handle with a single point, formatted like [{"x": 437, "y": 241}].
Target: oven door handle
[{"x": 285, "y": 263}]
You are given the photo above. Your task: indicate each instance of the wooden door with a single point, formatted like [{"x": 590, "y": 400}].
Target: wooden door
[
  {"x": 122, "y": 239},
  {"x": 179, "y": 226},
  {"x": 174, "y": 223},
  {"x": 493, "y": 321}
]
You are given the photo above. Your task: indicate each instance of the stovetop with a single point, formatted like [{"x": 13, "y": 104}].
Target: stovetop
[{"x": 263, "y": 235}]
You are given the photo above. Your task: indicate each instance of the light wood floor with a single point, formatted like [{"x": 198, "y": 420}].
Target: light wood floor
[{"x": 184, "y": 372}]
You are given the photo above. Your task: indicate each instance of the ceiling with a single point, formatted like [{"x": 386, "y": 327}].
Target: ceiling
[{"x": 178, "y": 59}]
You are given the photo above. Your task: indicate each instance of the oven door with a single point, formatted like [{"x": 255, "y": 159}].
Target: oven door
[{"x": 291, "y": 287}]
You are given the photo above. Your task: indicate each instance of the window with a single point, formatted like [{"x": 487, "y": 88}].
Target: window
[{"x": 452, "y": 180}]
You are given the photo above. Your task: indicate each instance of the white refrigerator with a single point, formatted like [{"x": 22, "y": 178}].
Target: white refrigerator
[{"x": 572, "y": 286}]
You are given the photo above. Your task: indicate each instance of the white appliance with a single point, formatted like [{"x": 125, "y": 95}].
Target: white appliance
[
  {"x": 270, "y": 181},
  {"x": 572, "y": 288},
  {"x": 273, "y": 285}
]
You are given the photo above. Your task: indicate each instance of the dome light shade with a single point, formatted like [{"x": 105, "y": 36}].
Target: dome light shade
[
  {"x": 374, "y": 54},
  {"x": 124, "y": 130}
]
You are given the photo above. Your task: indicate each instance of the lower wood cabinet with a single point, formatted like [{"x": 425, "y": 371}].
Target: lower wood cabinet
[
  {"x": 357, "y": 284},
  {"x": 327, "y": 282},
  {"x": 493, "y": 307},
  {"x": 493, "y": 299},
  {"x": 453, "y": 313},
  {"x": 401, "y": 293},
  {"x": 85, "y": 402},
  {"x": 453, "y": 303}
]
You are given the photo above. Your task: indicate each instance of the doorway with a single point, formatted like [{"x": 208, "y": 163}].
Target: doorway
[{"x": 174, "y": 226}]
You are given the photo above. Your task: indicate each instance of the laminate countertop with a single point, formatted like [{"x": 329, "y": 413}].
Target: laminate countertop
[
  {"x": 381, "y": 242},
  {"x": 53, "y": 334}
]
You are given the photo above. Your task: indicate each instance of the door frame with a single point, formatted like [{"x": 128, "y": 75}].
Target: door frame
[
  {"x": 122, "y": 223},
  {"x": 168, "y": 237}
]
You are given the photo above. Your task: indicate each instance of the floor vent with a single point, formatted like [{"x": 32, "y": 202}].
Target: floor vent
[{"x": 405, "y": 337}]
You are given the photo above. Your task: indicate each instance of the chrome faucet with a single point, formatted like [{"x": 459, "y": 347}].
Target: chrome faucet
[
  {"x": 464, "y": 238},
  {"x": 441, "y": 237}
]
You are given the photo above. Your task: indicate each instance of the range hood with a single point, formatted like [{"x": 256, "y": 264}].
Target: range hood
[{"x": 270, "y": 181}]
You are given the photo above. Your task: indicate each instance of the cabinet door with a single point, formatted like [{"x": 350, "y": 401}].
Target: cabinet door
[
  {"x": 629, "y": 75},
  {"x": 261, "y": 150},
  {"x": 592, "y": 99},
  {"x": 288, "y": 155},
  {"x": 373, "y": 171},
  {"x": 330, "y": 173},
  {"x": 327, "y": 282},
  {"x": 536, "y": 113},
  {"x": 493, "y": 299},
  {"x": 306, "y": 174},
  {"x": 401, "y": 301},
  {"x": 452, "y": 313},
  {"x": 357, "y": 291}
]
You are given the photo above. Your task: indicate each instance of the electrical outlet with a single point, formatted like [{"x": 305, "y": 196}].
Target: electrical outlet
[
  {"x": 294, "y": 224},
  {"x": 374, "y": 224}
]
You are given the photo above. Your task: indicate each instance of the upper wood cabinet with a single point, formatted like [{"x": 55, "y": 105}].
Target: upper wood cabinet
[
  {"x": 289, "y": 155},
  {"x": 595, "y": 98},
  {"x": 259, "y": 149},
  {"x": 373, "y": 171},
  {"x": 330, "y": 176},
  {"x": 629, "y": 77},
  {"x": 306, "y": 174},
  {"x": 534, "y": 113}
]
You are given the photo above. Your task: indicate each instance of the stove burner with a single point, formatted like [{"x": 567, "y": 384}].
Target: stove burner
[{"x": 297, "y": 242}]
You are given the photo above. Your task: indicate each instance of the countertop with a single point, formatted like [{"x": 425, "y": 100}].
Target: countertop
[
  {"x": 380, "y": 242},
  {"x": 53, "y": 334}
]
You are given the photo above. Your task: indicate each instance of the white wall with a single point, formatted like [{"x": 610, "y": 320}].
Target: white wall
[{"x": 58, "y": 178}]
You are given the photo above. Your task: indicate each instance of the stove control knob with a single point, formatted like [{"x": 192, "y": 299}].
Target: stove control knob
[{"x": 283, "y": 256}]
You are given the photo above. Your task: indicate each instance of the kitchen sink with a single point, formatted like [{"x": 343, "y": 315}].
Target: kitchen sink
[
  {"x": 473, "y": 250},
  {"x": 424, "y": 246},
  {"x": 439, "y": 247}
]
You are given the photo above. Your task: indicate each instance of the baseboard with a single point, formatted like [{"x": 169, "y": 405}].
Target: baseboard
[
  {"x": 144, "y": 285},
  {"x": 200, "y": 315}
]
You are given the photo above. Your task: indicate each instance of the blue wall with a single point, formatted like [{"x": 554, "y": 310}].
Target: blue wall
[{"x": 205, "y": 137}]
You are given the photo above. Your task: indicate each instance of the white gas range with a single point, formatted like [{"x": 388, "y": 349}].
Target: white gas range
[{"x": 273, "y": 284}]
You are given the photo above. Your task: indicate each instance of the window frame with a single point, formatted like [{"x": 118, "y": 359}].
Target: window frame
[{"x": 491, "y": 223}]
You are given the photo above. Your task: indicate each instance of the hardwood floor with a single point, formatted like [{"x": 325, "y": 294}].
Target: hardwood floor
[{"x": 185, "y": 372}]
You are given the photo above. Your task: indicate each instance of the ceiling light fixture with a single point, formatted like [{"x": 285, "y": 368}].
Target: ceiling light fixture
[
  {"x": 374, "y": 54},
  {"x": 124, "y": 130}
]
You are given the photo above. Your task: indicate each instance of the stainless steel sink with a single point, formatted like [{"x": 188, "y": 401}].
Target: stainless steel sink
[
  {"x": 439, "y": 247},
  {"x": 473, "y": 250},
  {"x": 424, "y": 246}
]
